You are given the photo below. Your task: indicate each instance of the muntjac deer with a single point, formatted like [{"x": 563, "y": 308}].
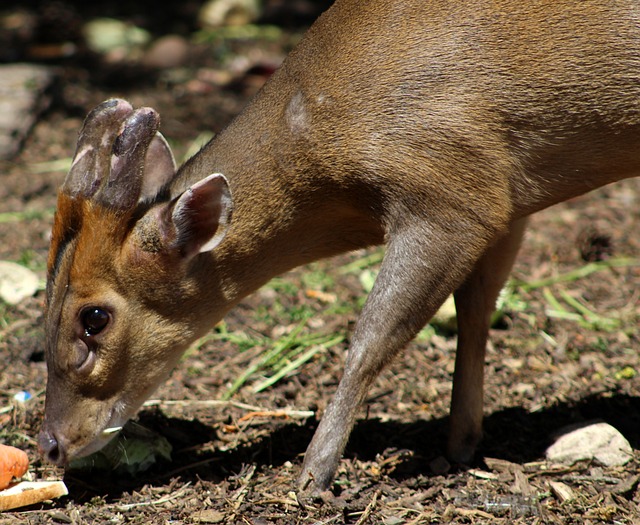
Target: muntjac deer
[{"x": 435, "y": 127}]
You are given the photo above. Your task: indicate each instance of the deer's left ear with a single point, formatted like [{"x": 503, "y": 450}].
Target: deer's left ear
[
  {"x": 200, "y": 216},
  {"x": 159, "y": 167}
]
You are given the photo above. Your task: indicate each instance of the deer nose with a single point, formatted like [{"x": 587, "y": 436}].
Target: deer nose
[{"x": 51, "y": 449}]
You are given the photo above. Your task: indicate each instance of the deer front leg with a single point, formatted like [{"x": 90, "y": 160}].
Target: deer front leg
[
  {"x": 418, "y": 272},
  {"x": 475, "y": 303}
]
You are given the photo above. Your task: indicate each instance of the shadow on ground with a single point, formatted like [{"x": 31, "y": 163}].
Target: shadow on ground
[{"x": 511, "y": 434}]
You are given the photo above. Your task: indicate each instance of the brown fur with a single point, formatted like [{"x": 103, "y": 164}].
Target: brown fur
[{"x": 434, "y": 126}]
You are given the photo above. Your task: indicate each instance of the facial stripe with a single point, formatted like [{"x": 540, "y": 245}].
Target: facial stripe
[
  {"x": 57, "y": 290},
  {"x": 62, "y": 248},
  {"x": 65, "y": 234}
]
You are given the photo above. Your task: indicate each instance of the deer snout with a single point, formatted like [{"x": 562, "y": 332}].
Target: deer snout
[{"x": 51, "y": 448}]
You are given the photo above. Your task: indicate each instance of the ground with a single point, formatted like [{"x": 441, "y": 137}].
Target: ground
[{"x": 236, "y": 451}]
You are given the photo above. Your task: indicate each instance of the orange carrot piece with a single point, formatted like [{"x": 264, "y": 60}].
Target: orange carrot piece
[{"x": 13, "y": 464}]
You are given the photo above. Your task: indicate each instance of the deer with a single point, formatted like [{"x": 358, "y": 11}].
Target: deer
[{"x": 434, "y": 128}]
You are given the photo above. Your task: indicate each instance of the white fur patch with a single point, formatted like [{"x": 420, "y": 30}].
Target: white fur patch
[{"x": 296, "y": 114}]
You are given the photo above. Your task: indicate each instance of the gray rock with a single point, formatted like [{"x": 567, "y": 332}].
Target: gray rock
[
  {"x": 22, "y": 98},
  {"x": 597, "y": 441},
  {"x": 16, "y": 282}
]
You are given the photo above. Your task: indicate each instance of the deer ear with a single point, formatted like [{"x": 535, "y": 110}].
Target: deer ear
[
  {"x": 201, "y": 215},
  {"x": 159, "y": 167}
]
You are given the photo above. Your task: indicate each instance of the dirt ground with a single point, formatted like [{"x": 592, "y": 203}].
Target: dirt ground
[{"x": 234, "y": 460}]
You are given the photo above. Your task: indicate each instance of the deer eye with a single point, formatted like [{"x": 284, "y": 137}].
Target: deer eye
[{"x": 94, "y": 320}]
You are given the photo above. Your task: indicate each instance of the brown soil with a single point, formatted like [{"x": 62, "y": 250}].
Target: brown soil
[{"x": 230, "y": 465}]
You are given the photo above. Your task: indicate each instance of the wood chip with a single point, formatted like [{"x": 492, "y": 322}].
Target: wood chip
[
  {"x": 521, "y": 484},
  {"x": 30, "y": 493},
  {"x": 627, "y": 485},
  {"x": 502, "y": 465},
  {"x": 561, "y": 491},
  {"x": 482, "y": 474}
]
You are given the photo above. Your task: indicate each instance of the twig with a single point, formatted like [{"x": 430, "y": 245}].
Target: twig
[
  {"x": 275, "y": 500},
  {"x": 367, "y": 511},
  {"x": 255, "y": 411},
  {"x": 197, "y": 464},
  {"x": 476, "y": 513},
  {"x": 240, "y": 494},
  {"x": 278, "y": 414},
  {"x": 329, "y": 520},
  {"x": 418, "y": 518},
  {"x": 199, "y": 402},
  {"x": 170, "y": 497}
]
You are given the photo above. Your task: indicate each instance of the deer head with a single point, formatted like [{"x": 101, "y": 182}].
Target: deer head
[{"x": 118, "y": 288}]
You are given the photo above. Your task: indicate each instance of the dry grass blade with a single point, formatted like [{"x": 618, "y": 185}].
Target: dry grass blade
[
  {"x": 165, "y": 499},
  {"x": 291, "y": 413},
  {"x": 369, "y": 509}
]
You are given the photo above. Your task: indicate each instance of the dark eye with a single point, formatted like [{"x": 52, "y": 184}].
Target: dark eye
[{"x": 94, "y": 320}]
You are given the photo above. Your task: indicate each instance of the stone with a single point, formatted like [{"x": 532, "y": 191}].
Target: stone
[
  {"x": 23, "y": 96},
  {"x": 599, "y": 442},
  {"x": 167, "y": 52},
  {"x": 16, "y": 282},
  {"x": 439, "y": 466},
  {"x": 219, "y": 13},
  {"x": 107, "y": 35}
]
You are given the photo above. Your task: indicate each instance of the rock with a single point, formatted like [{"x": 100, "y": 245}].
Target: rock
[
  {"x": 16, "y": 282},
  {"x": 599, "y": 442},
  {"x": 218, "y": 13},
  {"x": 439, "y": 466},
  {"x": 167, "y": 52},
  {"x": 22, "y": 98},
  {"x": 107, "y": 35}
]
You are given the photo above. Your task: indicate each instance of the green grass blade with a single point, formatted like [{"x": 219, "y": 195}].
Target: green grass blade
[
  {"x": 266, "y": 359},
  {"x": 49, "y": 166},
  {"x": 26, "y": 215},
  {"x": 578, "y": 273},
  {"x": 363, "y": 263},
  {"x": 296, "y": 363},
  {"x": 590, "y": 319},
  {"x": 556, "y": 309}
]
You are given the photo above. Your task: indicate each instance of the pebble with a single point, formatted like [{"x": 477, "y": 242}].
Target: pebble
[{"x": 599, "y": 442}]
